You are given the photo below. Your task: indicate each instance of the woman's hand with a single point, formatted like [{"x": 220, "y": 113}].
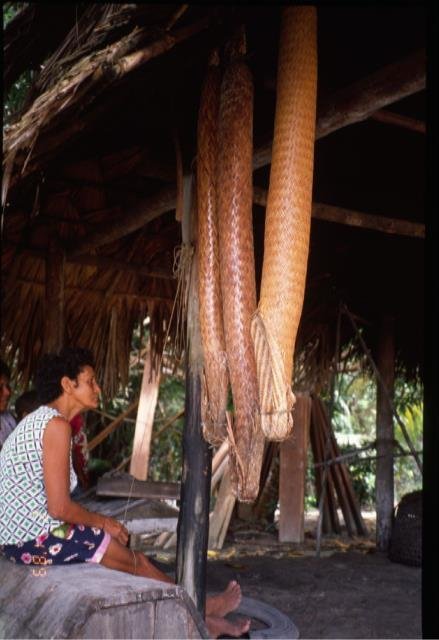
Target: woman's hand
[{"x": 116, "y": 530}]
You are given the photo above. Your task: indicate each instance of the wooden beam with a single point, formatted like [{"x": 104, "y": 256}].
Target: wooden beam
[
  {"x": 54, "y": 300},
  {"x": 145, "y": 420},
  {"x": 389, "y": 117},
  {"x": 126, "y": 486},
  {"x": 360, "y": 100},
  {"x": 385, "y": 434},
  {"x": 293, "y": 459},
  {"x": 353, "y": 104},
  {"x": 349, "y": 217},
  {"x": 132, "y": 219},
  {"x": 380, "y": 89}
]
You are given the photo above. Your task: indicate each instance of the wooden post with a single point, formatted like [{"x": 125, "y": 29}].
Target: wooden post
[
  {"x": 293, "y": 458},
  {"x": 193, "y": 520},
  {"x": 145, "y": 419},
  {"x": 385, "y": 434},
  {"x": 54, "y": 299}
]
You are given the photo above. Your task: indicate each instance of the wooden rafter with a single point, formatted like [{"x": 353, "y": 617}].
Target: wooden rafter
[
  {"x": 354, "y": 104},
  {"x": 363, "y": 98},
  {"x": 390, "y": 117},
  {"x": 353, "y": 218}
]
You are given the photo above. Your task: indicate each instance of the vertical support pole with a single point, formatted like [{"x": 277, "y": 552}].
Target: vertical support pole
[
  {"x": 292, "y": 474},
  {"x": 145, "y": 419},
  {"x": 193, "y": 520},
  {"x": 385, "y": 434},
  {"x": 54, "y": 299}
]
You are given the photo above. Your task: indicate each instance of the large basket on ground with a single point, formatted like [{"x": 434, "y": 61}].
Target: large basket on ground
[{"x": 406, "y": 541}]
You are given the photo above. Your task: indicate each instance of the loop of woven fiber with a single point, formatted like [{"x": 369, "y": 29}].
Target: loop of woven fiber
[
  {"x": 215, "y": 379},
  {"x": 277, "y": 398},
  {"x": 288, "y": 216},
  {"x": 234, "y": 199}
]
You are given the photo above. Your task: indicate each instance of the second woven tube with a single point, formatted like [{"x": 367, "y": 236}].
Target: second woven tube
[{"x": 234, "y": 198}]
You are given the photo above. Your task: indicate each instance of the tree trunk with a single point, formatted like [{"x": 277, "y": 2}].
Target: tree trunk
[{"x": 385, "y": 434}]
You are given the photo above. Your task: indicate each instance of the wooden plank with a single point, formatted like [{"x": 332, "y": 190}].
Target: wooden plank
[
  {"x": 111, "y": 427},
  {"x": 292, "y": 474},
  {"x": 318, "y": 471},
  {"x": 219, "y": 472},
  {"x": 347, "y": 481},
  {"x": 145, "y": 420},
  {"x": 330, "y": 494},
  {"x": 336, "y": 473},
  {"x": 219, "y": 455},
  {"x": 220, "y": 518},
  {"x": 351, "y": 218},
  {"x": 151, "y": 525},
  {"x": 385, "y": 433},
  {"x": 125, "y": 486},
  {"x": 54, "y": 299},
  {"x": 340, "y": 489}
]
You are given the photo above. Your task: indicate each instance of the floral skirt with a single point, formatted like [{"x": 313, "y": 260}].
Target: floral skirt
[{"x": 66, "y": 544}]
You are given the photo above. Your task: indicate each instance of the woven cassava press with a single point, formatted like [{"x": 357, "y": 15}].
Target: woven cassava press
[
  {"x": 234, "y": 199},
  {"x": 215, "y": 377},
  {"x": 288, "y": 219}
]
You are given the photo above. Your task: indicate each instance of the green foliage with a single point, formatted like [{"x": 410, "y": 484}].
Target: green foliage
[
  {"x": 10, "y": 10},
  {"x": 14, "y": 100},
  {"x": 16, "y": 95},
  {"x": 354, "y": 420},
  {"x": 166, "y": 451}
]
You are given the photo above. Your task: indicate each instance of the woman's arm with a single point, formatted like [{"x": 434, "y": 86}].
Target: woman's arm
[{"x": 56, "y": 469}]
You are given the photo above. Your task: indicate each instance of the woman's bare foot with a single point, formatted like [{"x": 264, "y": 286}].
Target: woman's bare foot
[
  {"x": 225, "y": 602},
  {"x": 220, "y": 626}
]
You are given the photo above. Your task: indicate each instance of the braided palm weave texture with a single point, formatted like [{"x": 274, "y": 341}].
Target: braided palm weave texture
[
  {"x": 288, "y": 219},
  {"x": 234, "y": 199},
  {"x": 215, "y": 377}
]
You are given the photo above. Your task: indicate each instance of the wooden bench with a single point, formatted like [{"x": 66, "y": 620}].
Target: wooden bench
[{"x": 90, "y": 601}]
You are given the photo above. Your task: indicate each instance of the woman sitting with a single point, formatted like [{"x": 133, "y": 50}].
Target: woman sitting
[{"x": 39, "y": 522}]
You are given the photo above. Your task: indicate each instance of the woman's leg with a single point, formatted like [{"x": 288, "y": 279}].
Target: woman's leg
[{"x": 121, "y": 558}]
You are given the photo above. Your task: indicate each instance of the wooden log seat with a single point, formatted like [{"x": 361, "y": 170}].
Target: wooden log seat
[{"x": 90, "y": 601}]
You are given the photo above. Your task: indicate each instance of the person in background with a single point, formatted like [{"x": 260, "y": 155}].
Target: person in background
[
  {"x": 7, "y": 420},
  {"x": 25, "y": 404}
]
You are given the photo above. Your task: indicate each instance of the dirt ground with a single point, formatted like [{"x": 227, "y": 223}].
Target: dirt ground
[{"x": 350, "y": 591}]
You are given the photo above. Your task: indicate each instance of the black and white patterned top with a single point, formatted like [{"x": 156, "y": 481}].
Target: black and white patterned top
[{"x": 23, "y": 502}]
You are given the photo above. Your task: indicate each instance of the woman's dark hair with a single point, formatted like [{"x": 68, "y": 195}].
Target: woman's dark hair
[
  {"x": 54, "y": 366},
  {"x": 5, "y": 370}
]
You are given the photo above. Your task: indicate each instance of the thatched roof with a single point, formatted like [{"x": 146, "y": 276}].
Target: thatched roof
[{"x": 91, "y": 160}]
